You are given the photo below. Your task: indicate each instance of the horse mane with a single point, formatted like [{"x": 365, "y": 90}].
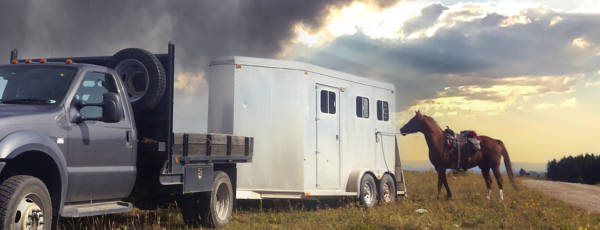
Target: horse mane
[{"x": 432, "y": 120}]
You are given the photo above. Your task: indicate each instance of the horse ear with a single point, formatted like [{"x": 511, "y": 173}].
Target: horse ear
[{"x": 418, "y": 113}]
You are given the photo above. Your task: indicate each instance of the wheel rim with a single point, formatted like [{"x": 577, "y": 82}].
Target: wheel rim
[
  {"x": 135, "y": 77},
  {"x": 29, "y": 215},
  {"x": 368, "y": 193},
  {"x": 223, "y": 201},
  {"x": 387, "y": 193}
]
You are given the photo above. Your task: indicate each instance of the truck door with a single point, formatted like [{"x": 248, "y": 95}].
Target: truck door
[
  {"x": 328, "y": 137},
  {"x": 100, "y": 160}
]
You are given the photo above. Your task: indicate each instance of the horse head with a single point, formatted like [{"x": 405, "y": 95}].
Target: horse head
[{"x": 414, "y": 125}]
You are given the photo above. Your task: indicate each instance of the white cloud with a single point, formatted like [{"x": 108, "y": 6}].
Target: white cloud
[
  {"x": 581, "y": 43},
  {"x": 498, "y": 95},
  {"x": 594, "y": 83},
  {"x": 569, "y": 103},
  {"x": 555, "y": 20},
  {"x": 514, "y": 20},
  {"x": 190, "y": 82}
]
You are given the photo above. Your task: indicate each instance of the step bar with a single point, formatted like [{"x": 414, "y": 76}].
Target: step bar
[{"x": 95, "y": 209}]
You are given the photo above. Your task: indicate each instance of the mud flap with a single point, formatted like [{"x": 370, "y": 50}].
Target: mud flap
[{"x": 400, "y": 184}]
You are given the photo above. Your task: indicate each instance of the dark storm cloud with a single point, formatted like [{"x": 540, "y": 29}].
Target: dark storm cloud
[
  {"x": 429, "y": 15},
  {"x": 483, "y": 48},
  {"x": 200, "y": 29}
]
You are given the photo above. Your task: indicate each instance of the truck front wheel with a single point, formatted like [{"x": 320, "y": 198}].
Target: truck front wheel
[
  {"x": 212, "y": 208},
  {"x": 25, "y": 203}
]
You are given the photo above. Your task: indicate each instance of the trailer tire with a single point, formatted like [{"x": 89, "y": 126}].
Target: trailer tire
[
  {"x": 387, "y": 189},
  {"x": 211, "y": 209},
  {"x": 24, "y": 197},
  {"x": 143, "y": 75},
  {"x": 368, "y": 191}
]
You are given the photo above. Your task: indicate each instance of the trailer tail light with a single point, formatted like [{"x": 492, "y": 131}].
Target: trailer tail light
[
  {"x": 27, "y": 60},
  {"x": 68, "y": 61},
  {"x": 14, "y": 61},
  {"x": 43, "y": 60},
  {"x": 238, "y": 66},
  {"x": 306, "y": 194}
]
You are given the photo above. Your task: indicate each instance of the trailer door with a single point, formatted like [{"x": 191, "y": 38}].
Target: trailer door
[{"x": 328, "y": 137}]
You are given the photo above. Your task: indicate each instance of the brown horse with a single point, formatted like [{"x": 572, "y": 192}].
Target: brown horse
[{"x": 492, "y": 150}]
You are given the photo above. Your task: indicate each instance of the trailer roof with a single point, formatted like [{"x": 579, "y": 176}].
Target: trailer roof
[{"x": 301, "y": 66}]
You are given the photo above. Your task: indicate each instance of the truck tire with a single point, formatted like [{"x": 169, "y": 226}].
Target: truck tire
[
  {"x": 143, "y": 75},
  {"x": 211, "y": 209},
  {"x": 368, "y": 191},
  {"x": 25, "y": 202},
  {"x": 387, "y": 189}
]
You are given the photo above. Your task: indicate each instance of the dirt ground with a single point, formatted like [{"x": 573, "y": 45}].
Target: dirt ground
[{"x": 580, "y": 195}]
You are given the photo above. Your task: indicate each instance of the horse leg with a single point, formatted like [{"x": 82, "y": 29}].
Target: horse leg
[
  {"x": 448, "y": 193},
  {"x": 439, "y": 182},
  {"x": 488, "y": 181},
  {"x": 498, "y": 180}
]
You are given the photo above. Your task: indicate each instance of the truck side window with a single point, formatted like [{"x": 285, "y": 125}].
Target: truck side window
[
  {"x": 383, "y": 112},
  {"x": 362, "y": 107},
  {"x": 93, "y": 86},
  {"x": 327, "y": 102}
]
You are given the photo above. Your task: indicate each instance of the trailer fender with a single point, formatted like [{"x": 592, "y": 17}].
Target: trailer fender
[
  {"x": 354, "y": 180},
  {"x": 17, "y": 143}
]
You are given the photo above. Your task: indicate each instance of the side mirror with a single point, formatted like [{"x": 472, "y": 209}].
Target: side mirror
[{"x": 112, "y": 111}]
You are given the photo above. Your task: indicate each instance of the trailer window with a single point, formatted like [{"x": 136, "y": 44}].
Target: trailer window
[
  {"x": 362, "y": 107},
  {"x": 327, "y": 102},
  {"x": 383, "y": 111}
]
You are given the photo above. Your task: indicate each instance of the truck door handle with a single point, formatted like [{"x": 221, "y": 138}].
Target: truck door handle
[
  {"x": 337, "y": 137},
  {"x": 127, "y": 136},
  {"x": 128, "y": 139}
]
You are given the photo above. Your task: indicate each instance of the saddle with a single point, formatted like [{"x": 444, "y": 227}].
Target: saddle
[{"x": 462, "y": 147}]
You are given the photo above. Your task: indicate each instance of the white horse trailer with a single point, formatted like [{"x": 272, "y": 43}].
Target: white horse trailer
[{"x": 317, "y": 132}]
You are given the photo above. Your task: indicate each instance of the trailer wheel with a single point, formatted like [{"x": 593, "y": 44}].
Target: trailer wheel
[
  {"x": 212, "y": 209},
  {"x": 387, "y": 189},
  {"x": 143, "y": 75},
  {"x": 25, "y": 204},
  {"x": 368, "y": 191}
]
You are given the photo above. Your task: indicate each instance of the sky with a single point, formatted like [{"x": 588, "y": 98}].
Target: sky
[{"x": 525, "y": 72}]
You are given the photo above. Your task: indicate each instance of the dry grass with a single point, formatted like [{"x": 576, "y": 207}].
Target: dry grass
[{"x": 468, "y": 209}]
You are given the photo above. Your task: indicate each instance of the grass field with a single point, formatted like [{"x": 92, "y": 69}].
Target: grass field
[{"x": 525, "y": 209}]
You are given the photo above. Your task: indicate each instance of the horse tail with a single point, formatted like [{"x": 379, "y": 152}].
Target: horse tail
[{"x": 508, "y": 165}]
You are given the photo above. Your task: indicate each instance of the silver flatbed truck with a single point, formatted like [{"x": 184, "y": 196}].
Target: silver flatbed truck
[{"x": 85, "y": 136}]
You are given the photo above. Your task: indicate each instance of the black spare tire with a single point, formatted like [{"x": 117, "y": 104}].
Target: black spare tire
[{"x": 143, "y": 75}]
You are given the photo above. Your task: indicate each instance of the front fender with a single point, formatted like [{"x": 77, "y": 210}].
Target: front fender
[{"x": 19, "y": 142}]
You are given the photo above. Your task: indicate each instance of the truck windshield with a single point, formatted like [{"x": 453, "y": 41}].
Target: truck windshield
[{"x": 45, "y": 85}]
